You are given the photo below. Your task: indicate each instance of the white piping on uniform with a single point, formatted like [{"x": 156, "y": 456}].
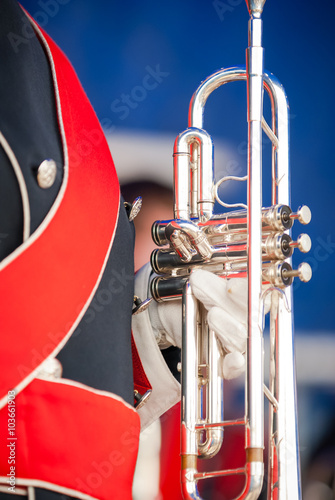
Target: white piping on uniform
[
  {"x": 46, "y": 222},
  {"x": 31, "y": 493},
  {"x": 50, "y": 486},
  {"x": 22, "y": 185}
]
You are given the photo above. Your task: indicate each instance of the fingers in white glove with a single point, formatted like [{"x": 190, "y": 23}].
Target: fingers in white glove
[
  {"x": 226, "y": 302},
  {"x": 232, "y": 365},
  {"x": 230, "y": 294},
  {"x": 231, "y": 332},
  {"x": 211, "y": 290}
]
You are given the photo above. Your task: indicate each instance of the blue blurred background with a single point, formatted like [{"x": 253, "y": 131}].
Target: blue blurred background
[
  {"x": 112, "y": 44},
  {"x": 115, "y": 45}
]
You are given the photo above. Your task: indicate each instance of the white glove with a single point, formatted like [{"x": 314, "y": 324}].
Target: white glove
[
  {"x": 226, "y": 302},
  {"x": 165, "y": 319}
]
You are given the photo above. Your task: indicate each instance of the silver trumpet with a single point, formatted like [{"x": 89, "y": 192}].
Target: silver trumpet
[{"x": 248, "y": 241}]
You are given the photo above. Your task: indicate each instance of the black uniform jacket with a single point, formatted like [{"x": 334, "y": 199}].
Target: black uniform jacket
[{"x": 98, "y": 353}]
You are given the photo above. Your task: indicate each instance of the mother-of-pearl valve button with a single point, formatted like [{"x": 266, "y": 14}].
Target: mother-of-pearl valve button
[
  {"x": 303, "y": 242},
  {"x": 303, "y": 214},
  {"x": 304, "y": 272}
]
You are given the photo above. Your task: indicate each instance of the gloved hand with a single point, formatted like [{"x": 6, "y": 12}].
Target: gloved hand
[{"x": 226, "y": 302}]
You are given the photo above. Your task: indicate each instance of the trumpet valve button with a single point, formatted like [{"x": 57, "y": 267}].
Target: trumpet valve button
[
  {"x": 304, "y": 272},
  {"x": 303, "y": 215},
  {"x": 304, "y": 243}
]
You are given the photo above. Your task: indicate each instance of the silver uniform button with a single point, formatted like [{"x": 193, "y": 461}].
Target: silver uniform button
[
  {"x": 50, "y": 369},
  {"x": 46, "y": 173},
  {"x": 135, "y": 208}
]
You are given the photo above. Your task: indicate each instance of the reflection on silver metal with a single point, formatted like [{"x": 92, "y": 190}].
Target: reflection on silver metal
[
  {"x": 304, "y": 243},
  {"x": 189, "y": 389},
  {"x": 256, "y": 243},
  {"x": 254, "y": 400},
  {"x": 303, "y": 215},
  {"x": 255, "y": 7},
  {"x": 192, "y": 235},
  {"x": 46, "y": 173},
  {"x": 218, "y": 184},
  {"x": 232, "y": 226},
  {"x": 195, "y": 144},
  {"x": 141, "y": 399},
  {"x": 212, "y": 408},
  {"x": 135, "y": 208},
  {"x": 274, "y": 246},
  {"x": 304, "y": 272},
  {"x": 140, "y": 306},
  {"x": 268, "y": 130}
]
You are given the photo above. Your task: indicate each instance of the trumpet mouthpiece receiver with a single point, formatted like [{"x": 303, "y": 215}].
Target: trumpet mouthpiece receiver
[{"x": 255, "y": 7}]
